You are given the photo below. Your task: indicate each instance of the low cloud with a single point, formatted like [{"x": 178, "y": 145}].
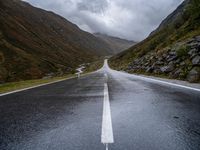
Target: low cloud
[{"x": 129, "y": 19}]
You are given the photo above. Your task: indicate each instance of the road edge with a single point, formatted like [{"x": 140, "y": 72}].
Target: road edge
[
  {"x": 170, "y": 82},
  {"x": 40, "y": 85}
]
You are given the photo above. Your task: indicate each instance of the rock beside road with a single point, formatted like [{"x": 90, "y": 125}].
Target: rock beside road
[
  {"x": 194, "y": 74},
  {"x": 196, "y": 60},
  {"x": 179, "y": 61}
]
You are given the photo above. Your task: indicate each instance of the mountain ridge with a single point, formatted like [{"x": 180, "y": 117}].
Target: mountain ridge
[
  {"x": 171, "y": 17},
  {"x": 35, "y": 42},
  {"x": 116, "y": 44},
  {"x": 172, "y": 50}
]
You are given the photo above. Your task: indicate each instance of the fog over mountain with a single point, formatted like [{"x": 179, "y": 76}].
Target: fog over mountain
[{"x": 130, "y": 19}]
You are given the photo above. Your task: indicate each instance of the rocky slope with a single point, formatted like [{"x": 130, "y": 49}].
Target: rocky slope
[
  {"x": 180, "y": 61},
  {"x": 35, "y": 43},
  {"x": 172, "y": 50},
  {"x": 116, "y": 44}
]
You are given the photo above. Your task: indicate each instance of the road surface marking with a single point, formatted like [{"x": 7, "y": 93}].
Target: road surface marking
[
  {"x": 107, "y": 131},
  {"x": 168, "y": 83},
  {"x": 32, "y": 87},
  {"x": 106, "y": 77},
  {"x": 154, "y": 80},
  {"x": 40, "y": 85}
]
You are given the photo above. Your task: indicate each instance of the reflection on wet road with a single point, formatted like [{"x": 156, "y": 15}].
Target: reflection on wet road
[{"x": 68, "y": 115}]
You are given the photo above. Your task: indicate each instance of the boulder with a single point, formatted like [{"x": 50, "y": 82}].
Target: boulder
[
  {"x": 194, "y": 75},
  {"x": 198, "y": 48},
  {"x": 159, "y": 63},
  {"x": 157, "y": 71},
  {"x": 171, "y": 58},
  {"x": 193, "y": 52},
  {"x": 190, "y": 40},
  {"x": 152, "y": 57},
  {"x": 182, "y": 63},
  {"x": 160, "y": 59},
  {"x": 171, "y": 63},
  {"x": 193, "y": 44},
  {"x": 196, "y": 60},
  {"x": 129, "y": 67},
  {"x": 197, "y": 38},
  {"x": 149, "y": 69},
  {"x": 136, "y": 61},
  {"x": 146, "y": 64},
  {"x": 178, "y": 61},
  {"x": 177, "y": 73},
  {"x": 167, "y": 69},
  {"x": 172, "y": 53},
  {"x": 164, "y": 56}
]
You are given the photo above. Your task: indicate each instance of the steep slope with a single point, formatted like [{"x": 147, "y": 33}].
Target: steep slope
[
  {"x": 174, "y": 19},
  {"x": 116, "y": 44},
  {"x": 172, "y": 50},
  {"x": 35, "y": 42}
]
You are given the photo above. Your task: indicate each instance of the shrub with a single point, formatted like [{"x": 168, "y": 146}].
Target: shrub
[{"x": 182, "y": 51}]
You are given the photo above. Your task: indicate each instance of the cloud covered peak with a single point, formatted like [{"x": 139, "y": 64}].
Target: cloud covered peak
[{"x": 129, "y": 19}]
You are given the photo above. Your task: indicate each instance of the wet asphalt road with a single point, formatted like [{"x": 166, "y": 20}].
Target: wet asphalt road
[{"x": 68, "y": 115}]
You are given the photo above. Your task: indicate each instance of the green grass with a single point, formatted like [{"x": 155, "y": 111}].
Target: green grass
[
  {"x": 12, "y": 86},
  {"x": 94, "y": 66},
  {"x": 182, "y": 51}
]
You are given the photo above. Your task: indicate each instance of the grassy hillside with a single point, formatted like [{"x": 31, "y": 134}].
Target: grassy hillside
[
  {"x": 36, "y": 43},
  {"x": 179, "y": 27}
]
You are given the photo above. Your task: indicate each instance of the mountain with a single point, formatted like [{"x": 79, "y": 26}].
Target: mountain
[
  {"x": 174, "y": 19},
  {"x": 35, "y": 42},
  {"x": 172, "y": 50},
  {"x": 116, "y": 44}
]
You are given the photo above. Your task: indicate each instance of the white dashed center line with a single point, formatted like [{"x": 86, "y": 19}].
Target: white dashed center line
[{"x": 107, "y": 131}]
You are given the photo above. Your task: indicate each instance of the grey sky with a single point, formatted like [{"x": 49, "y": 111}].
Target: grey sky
[{"x": 129, "y": 19}]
